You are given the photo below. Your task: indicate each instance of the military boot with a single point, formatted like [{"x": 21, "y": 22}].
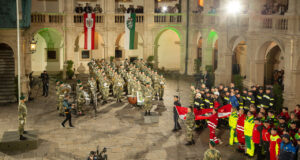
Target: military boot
[{"x": 189, "y": 143}]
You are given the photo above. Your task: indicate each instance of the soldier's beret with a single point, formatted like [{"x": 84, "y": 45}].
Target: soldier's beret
[
  {"x": 22, "y": 97},
  {"x": 56, "y": 80},
  {"x": 61, "y": 82},
  {"x": 78, "y": 81},
  {"x": 212, "y": 143}
]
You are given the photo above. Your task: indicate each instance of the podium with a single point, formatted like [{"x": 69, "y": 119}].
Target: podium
[{"x": 11, "y": 141}]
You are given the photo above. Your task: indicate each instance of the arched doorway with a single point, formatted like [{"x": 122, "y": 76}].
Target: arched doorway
[
  {"x": 212, "y": 48},
  {"x": 137, "y": 52},
  {"x": 270, "y": 60},
  {"x": 239, "y": 59},
  {"x": 168, "y": 49},
  {"x": 83, "y": 56},
  {"x": 274, "y": 67},
  {"x": 7, "y": 74},
  {"x": 49, "y": 53}
]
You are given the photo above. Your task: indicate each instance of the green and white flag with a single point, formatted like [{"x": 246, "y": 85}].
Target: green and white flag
[{"x": 129, "y": 31}]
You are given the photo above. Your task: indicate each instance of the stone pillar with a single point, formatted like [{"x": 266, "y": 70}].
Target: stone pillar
[
  {"x": 148, "y": 23},
  {"x": 292, "y": 8},
  {"x": 255, "y": 21},
  {"x": 61, "y": 6}
]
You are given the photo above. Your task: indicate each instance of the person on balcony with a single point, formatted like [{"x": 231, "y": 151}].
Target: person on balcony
[{"x": 131, "y": 9}]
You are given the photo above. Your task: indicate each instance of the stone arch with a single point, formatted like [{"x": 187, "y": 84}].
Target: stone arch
[
  {"x": 262, "y": 50},
  {"x": 162, "y": 54},
  {"x": 49, "y": 51},
  {"x": 138, "y": 52},
  {"x": 236, "y": 40},
  {"x": 267, "y": 54}
]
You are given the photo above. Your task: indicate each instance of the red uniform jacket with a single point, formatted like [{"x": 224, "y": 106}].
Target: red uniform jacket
[
  {"x": 266, "y": 134},
  {"x": 213, "y": 121},
  {"x": 286, "y": 115},
  {"x": 256, "y": 134},
  {"x": 297, "y": 114},
  {"x": 274, "y": 148}
]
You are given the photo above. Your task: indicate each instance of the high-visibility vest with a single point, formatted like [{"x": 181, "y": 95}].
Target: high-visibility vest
[
  {"x": 249, "y": 125},
  {"x": 273, "y": 143},
  {"x": 233, "y": 120}
]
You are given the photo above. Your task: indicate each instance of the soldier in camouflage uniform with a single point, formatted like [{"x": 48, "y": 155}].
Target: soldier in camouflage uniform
[
  {"x": 148, "y": 95},
  {"x": 92, "y": 88},
  {"x": 190, "y": 123},
  {"x": 60, "y": 99},
  {"x": 105, "y": 90},
  {"x": 161, "y": 87},
  {"x": 22, "y": 114},
  {"x": 212, "y": 153},
  {"x": 57, "y": 89},
  {"x": 193, "y": 94},
  {"x": 156, "y": 85},
  {"x": 119, "y": 83},
  {"x": 80, "y": 100}
]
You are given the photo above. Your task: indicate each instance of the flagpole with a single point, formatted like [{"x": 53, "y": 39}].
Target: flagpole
[{"x": 18, "y": 52}]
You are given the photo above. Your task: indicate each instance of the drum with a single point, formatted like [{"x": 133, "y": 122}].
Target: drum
[{"x": 132, "y": 99}]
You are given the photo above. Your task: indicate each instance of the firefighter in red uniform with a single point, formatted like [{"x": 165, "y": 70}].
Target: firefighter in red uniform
[
  {"x": 212, "y": 125},
  {"x": 256, "y": 137},
  {"x": 266, "y": 138},
  {"x": 240, "y": 130}
]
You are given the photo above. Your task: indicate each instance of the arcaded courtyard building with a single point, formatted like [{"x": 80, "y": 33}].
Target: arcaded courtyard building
[{"x": 180, "y": 34}]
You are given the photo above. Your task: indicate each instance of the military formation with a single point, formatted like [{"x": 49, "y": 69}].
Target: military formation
[{"x": 134, "y": 79}]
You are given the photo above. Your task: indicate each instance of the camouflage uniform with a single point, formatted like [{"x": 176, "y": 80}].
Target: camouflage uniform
[
  {"x": 148, "y": 95},
  {"x": 105, "y": 89},
  {"x": 212, "y": 154},
  {"x": 161, "y": 87},
  {"x": 190, "y": 123},
  {"x": 156, "y": 85},
  {"x": 60, "y": 104},
  {"x": 119, "y": 88},
  {"x": 22, "y": 113},
  {"x": 80, "y": 101}
]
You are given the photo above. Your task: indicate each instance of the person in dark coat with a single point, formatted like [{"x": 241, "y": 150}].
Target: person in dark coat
[{"x": 175, "y": 113}]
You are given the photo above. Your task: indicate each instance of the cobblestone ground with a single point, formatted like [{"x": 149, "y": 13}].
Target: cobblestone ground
[{"x": 119, "y": 127}]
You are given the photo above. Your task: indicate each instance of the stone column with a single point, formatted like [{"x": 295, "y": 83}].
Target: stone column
[
  {"x": 149, "y": 38},
  {"x": 292, "y": 8},
  {"x": 61, "y": 6}
]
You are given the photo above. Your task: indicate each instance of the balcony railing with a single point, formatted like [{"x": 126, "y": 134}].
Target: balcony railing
[
  {"x": 46, "y": 18},
  {"x": 78, "y": 18},
  {"x": 278, "y": 23},
  {"x": 120, "y": 18},
  {"x": 167, "y": 18}
]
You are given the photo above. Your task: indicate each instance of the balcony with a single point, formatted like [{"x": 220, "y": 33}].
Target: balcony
[
  {"x": 47, "y": 18},
  {"x": 167, "y": 18},
  {"x": 120, "y": 18},
  {"x": 275, "y": 23},
  {"x": 78, "y": 18}
]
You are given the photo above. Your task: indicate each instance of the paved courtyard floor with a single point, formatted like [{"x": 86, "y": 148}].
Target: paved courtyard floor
[{"x": 119, "y": 127}]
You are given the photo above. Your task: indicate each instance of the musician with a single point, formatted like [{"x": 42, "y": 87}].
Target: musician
[
  {"x": 45, "y": 79},
  {"x": 67, "y": 108},
  {"x": 80, "y": 100},
  {"x": 162, "y": 87},
  {"x": 175, "y": 113}
]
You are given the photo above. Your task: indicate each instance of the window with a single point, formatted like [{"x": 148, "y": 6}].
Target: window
[
  {"x": 85, "y": 54},
  {"x": 51, "y": 55}
]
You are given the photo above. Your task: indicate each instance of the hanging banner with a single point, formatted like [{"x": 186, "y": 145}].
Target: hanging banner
[
  {"x": 129, "y": 31},
  {"x": 89, "y": 31}
]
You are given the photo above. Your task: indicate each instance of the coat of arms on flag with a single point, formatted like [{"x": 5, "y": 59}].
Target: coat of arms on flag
[
  {"x": 89, "y": 31},
  {"x": 129, "y": 31}
]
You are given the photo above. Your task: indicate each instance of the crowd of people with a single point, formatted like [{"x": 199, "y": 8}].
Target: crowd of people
[
  {"x": 168, "y": 9},
  {"x": 130, "y": 9},
  {"x": 88, "y": 9},
  {"x": 275, "y": 7},
  {"x": 254, "y": 123}
]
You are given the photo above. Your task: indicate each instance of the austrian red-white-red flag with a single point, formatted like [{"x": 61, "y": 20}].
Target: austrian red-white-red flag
[{"x": 89, "y": 31}]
